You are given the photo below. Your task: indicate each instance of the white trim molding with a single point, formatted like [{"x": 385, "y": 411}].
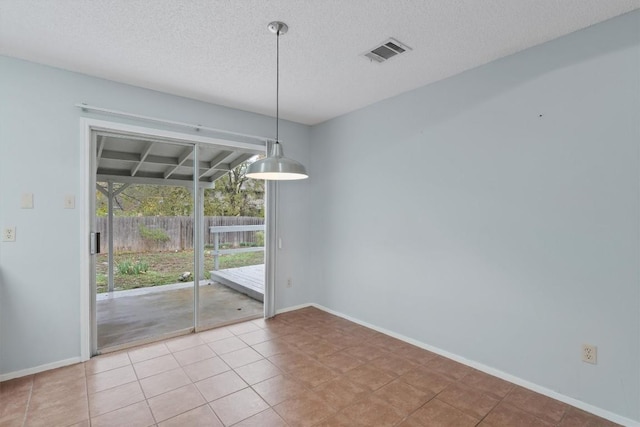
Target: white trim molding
[
  {"x": 38, "y": 369},
  {"x": 84, "y": 205},
  {"x": 298, "y": 307},
  {"x": 139, "y": 117}
]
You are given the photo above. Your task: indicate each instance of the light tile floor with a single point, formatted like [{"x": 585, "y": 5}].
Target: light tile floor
[{"x": 303, "y": 368}]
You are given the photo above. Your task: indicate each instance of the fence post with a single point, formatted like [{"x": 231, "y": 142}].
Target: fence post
[{"x": 216, "y": 254}]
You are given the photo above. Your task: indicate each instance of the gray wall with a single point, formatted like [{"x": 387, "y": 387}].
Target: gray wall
[
  {"x": 516, "y": 186},
  {"x": 40, "y": 275}
]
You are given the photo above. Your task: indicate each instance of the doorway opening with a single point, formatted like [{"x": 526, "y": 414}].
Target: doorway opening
[{"x": 179, "y": 222}]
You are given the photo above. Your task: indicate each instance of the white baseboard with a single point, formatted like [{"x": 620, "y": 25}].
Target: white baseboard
[
  {"x": 479, "y": 366},
  {"x": 41, "y": 368},
  {"x": 298, "y": 307}
]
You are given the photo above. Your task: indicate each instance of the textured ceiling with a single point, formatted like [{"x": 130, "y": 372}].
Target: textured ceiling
[{"x": 220, "y": 51}]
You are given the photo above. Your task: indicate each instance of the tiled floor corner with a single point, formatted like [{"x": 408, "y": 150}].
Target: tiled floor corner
[{"x": 302, "y": 368}]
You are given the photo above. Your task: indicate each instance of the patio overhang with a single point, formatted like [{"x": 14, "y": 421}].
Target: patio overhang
[{"x": 131, "y": 159}]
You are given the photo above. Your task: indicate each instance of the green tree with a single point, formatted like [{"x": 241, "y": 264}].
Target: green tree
[
  {"x": 148, "y": 200},
  {"x": 235, "y": 195}
]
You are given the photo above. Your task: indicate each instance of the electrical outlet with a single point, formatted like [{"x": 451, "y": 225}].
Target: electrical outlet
[
  {"x": 289, "y": 282},
  {"x": 9, "y": 234},
  {"x": 589, "y": 353}
]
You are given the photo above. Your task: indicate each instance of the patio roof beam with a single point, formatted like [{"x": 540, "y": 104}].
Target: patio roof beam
[
  {"x": 216, "y": 161},
  {"x": 143, "y": 157},
  {"x": 104, "y": 190},
  {"x": 222, "y": 172},
  {"x": 143, "y": 177},
  {"x": 119, "y": 177},
  {"x": 183, "y": 157},
  {"x": 134, "y": 137},
  {"x": 216, "y": 176},
  {"x": 174, "y": 162},
  {"x": 120, "y": 189},
  {"x": 241, "y": 159},
  {"x": 150, "y": 159},
  {"x": 135, "y": 158}
]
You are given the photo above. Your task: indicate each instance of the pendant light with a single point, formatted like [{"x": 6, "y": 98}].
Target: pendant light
[{"x": 275, "y": 166}]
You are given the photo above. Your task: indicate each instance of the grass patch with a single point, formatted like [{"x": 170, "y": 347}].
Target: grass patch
[
  {"x": 163, "y": 268},
  {"x": 130, "y": 267}
]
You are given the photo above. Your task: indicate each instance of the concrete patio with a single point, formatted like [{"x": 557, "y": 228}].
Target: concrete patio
[{"x": 138, "y": 314}]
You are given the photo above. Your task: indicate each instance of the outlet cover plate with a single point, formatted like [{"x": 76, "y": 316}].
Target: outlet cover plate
[
  {"x": 590, "y": 354},
  {"x": 9, "y": 234}
]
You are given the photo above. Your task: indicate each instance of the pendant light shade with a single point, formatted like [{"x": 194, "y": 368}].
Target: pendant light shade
[{"x": 275, "y": 166}]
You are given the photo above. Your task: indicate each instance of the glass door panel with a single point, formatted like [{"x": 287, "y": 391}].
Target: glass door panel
[
  {"x": 233, "y": 244},
  {"x": 145, "y": 214}
]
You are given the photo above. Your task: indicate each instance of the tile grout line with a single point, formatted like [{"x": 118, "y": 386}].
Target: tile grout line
[
  {"x": 26, "y": 411},
  {"x": 146, "y": 400},
  {"x": 155, "y": 421},
  {"x": 86, "y": 389}
]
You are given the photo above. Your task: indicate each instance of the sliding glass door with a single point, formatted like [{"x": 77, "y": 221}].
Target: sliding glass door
[{"x": 181, "y": 238}]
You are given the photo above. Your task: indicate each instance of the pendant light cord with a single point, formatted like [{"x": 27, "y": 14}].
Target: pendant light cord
[{"x": 277, "y": 83}]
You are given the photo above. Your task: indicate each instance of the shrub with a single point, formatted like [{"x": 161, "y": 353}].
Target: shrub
[
  {"x": 129, "y": 267},
  {"x": 259, "y": 238},
  {"x": 155, "y": 235}
]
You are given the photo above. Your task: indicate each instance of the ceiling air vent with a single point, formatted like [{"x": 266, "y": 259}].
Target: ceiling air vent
[{"x": 386, "y": 50}]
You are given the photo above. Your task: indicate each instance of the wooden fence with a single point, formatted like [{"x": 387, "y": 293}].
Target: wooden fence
[{"x": 172, "y": 233}]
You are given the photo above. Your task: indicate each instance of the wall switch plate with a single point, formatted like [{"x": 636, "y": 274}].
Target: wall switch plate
[
  {"x": 289, "y": 282},
  {"x": 9, "y": 234},
  {"x": 26, "y": 201},
  {"x": 590, "y": 354},
  {"x": 69, "y": 201}
]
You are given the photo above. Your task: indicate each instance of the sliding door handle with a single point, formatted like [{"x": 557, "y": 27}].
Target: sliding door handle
[{"x": 94, "y": 243}]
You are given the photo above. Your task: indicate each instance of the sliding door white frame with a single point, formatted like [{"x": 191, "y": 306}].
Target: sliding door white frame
[{"x": 86, "y": 205}]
